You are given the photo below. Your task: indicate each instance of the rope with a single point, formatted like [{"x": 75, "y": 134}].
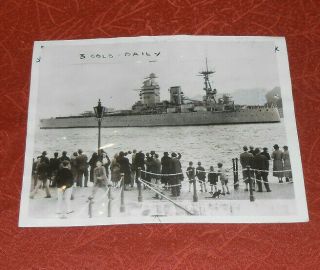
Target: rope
[
  {"x": 270, "y": 171},
  {"x": 152, "y": 184},
  {"x": 161, "y": 174},
  {"x": 162, "y": 195},
  {"x": 237, "y": 183},
  {"x": 251, "y": 169},
  {"x": 212, "y": 172},
  {"x": 259, "y": 180},
  {"x": 155, "y": 185},
  {"x": 229, "y": 170}
]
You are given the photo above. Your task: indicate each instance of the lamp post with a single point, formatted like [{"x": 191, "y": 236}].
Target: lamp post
[{"x": 99, "y": 112}]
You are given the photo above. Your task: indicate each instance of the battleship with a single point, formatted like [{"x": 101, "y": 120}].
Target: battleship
[{"x": 150, "y": 111}]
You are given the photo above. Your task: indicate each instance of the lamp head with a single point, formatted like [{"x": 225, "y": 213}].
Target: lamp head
[{"x": 99, "y": 110}]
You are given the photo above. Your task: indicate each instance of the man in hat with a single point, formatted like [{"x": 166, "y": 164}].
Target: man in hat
[
  {"x": 251, "y": 150},
  {"x": 277, "y": 156},
  {"x": 149, "y": 167},
  {"x": 265, "y": 153},
  {"x": 139, "y": 162},
  {"x": 165, "y": 168},
  {"x": 82, "y": 168},
  {"x": 44, "y": 158},
  {"x": 286, "y": 164},
  {"x": 42, "y": 178},
  {"x": 125, "y": 169},
  {"x": 176, "y": 179},
  {"x": 191, "y": 174},
  {"x": 54, "y": 167},
  {"x": 261, "y": 166},
  {"x": 64, "y": 157},
  {"x": 246, "y": 159}
]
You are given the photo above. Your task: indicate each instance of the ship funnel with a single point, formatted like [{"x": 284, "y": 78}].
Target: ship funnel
[{"x": 175, "y": 95}]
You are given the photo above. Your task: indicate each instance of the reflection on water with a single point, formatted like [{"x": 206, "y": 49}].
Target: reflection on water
[{"x": 209, "y": 144}]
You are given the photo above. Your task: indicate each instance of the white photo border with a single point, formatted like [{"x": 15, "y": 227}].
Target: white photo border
[{"x": 289, "y": 119}]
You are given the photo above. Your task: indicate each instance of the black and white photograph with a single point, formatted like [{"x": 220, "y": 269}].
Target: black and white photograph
[{"x": 167, "y": 129}]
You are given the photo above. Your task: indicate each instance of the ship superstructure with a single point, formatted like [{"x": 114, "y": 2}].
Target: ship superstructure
[{"x": 180, "y": 110}]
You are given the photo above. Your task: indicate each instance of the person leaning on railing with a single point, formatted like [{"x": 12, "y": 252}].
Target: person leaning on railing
[
  {"x": 191, "y": 173},
  {"x": 100, "y": 179},
  {"x": 246, "y": 159},
  {"x": 261, "y": 167}
]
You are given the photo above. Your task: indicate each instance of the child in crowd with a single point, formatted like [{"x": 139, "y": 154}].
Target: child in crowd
[
  {"x": 212, "y": 179},
  {"x": 201, "y": 174},
  {"x": 191, "y": 174},
  {"x": 223, "y": 173}
]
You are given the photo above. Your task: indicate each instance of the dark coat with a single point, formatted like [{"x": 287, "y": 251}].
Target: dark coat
[
  {"x": 157, "y": 165},
  {"x": 107, "y": 165},
  {"x": 81, "y": 162},
  {"x": 165, "y": 168},
  {"x": 166, "y": 164},
  {"x": 200, "y": 173},
  {"x": 43, "y": 170},
  {"x": 139, "y": 160},
  {"x": 54, "y": 164},
  {"x": 176, "y": 168},
  {"x": 246, "y": 159},
  {"x": 261, "y": 162},
  {"x": 212, "y": 178},
  {"x": 266, "y": 154},
  {"x": 63, "y": 158},
  {"x": 45, "y": 159},
  {"x": 64, "y": 178},
  {"x": 125, "y": 168},
  {"x": 191, "y": 172},
  {"x": 93, "y": 161},
  {"x": 176, "y": 165}
]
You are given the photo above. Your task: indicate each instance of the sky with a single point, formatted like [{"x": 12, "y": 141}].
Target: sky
[{"x": 73, "y": 77}]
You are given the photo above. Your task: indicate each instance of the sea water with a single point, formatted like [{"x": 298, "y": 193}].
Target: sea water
[{"x": 208, "y": 144}]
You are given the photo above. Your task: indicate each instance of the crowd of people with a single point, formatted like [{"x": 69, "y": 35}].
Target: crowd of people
[
  {"x": 64, "y": 172},
  {"x": 255, "y": 164}
]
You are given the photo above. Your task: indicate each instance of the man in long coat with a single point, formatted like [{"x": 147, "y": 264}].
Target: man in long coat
[
  {"x": 124, "y": 168},
  {"x": 54, "y": 167},
  {"x": 82, "y": 168},
  {"x": 165, "y": 168},
  {"x": 246, "y": 159},
  {"x": 139, "y": 162},
  {"x": 261, "y": 167},
  {"x": 176, "y": 179}
]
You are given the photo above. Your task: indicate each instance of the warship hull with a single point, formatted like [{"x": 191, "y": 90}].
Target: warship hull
[{"x": 242, "y": 116}]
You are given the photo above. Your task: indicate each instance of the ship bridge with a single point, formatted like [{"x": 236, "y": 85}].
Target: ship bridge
[{"x": 150, "y": 91}]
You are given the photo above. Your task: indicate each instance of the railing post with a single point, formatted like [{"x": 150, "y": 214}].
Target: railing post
[
  {"x": 195, "y": 195},
  {"x": 122, "y": 207},
  {"x": 250, "y": 184},
  {"x": 109, "y": 201},
  {"x": 90, "y": 206},
  {"x": 236, "y": 174},
  {"x": 139, "y": 185}
]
